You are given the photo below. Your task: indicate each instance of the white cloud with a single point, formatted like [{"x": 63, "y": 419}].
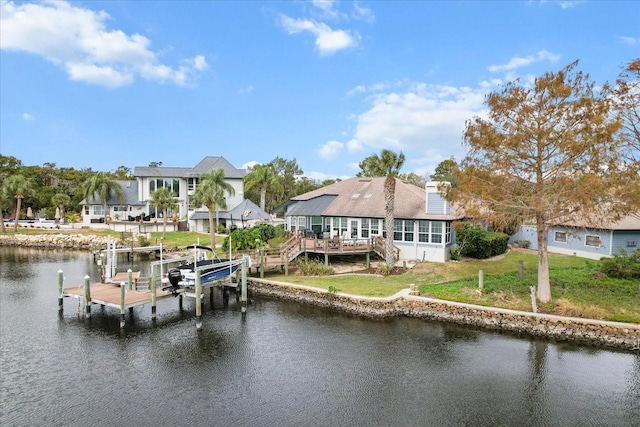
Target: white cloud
[
  {"x": 27, "y": 117},
  {"x": 519, "y": 61},
  {"x": 631, "y": 41},
  {"x": 363, "y": 13},
  {"x": 355, "y": 146},
  {"x": 328, "y": 41},
  {"x": 330, "y": 150},
  {"x": 77, "y": 39},
  {"x": 568, "y": 4},
  {"x": 423, "y": 121},
  {"x": 249, "y": 165},
  {"x": 200, "y": 63},
  {"x": 326, "y": 6}
]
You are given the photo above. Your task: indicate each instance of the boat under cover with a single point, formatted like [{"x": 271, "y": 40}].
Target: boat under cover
[{"x": 212, "y": 269}]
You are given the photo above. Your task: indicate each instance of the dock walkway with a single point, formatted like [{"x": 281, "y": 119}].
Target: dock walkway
[{"x": 108, "y": 294}]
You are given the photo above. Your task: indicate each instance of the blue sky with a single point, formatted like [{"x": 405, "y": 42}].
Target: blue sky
[{"x": 103, "y": 84}]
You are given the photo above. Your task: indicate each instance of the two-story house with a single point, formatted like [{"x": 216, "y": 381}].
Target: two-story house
[{"x": 182, "y": 181}]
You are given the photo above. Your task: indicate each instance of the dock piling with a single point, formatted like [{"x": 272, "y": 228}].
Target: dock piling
[
  {"x": 244, "y": 286},
  {"x": 130, "y": 278},
  {"x": 153, "y": 292},
  {"x": 60, "y": 290},
  {"x": 198, "y": 300},
  {"x": 122, "y": 295},
  {"x": 87, "y": 296}
]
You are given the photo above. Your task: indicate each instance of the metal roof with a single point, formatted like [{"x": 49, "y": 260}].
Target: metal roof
[{"x": 314, "y": 207}]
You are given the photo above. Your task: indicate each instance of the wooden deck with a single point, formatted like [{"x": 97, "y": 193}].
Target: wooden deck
[
  {"x": 306, "y": 245},
  {"x": 108, "y": 294}
]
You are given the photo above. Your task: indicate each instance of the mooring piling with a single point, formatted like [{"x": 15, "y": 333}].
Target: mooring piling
[
  {"x": 153, "y": 292},
  {"x": 130, "y": 278},
  {"x": 60, "y": 290},
  {"x": 198, "y": 300},
  {"x": 87, "y": 296},
  {"x": 245, "y": 261},
  {"x": 122, "y": 295}
]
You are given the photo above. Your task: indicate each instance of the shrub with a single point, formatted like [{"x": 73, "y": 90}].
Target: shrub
[
  {"x": 143, "y": 241},
  {"x": 383, "y": 269},
  {"x": 624, "y": 265},
  {"x": 253, "y": 237},
  {"x": 314, "y": 268},
  {"x": 476, "y": 242}
]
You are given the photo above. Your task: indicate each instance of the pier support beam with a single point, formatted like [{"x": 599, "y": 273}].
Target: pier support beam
[
  {"x": 60, "y": 290},
  {"x": 87, "y": 296}
]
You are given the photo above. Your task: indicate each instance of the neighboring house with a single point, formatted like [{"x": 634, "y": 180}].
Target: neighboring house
[
  {"x": 246, "y": 214},
  {"x": 355, "y": 209},
  {"x": 182, "y": 181},
  {"x": 93, "y": 210},
  {"x": 584, "y": 240}
]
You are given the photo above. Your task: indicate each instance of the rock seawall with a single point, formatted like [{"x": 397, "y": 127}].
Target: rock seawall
[
  {"x": 608, "y": 334},
  {"x": 55, "y": 241}
]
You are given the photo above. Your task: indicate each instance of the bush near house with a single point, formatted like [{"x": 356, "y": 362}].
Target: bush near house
[
  {"x": 624, "y": 265},
  {"x": 476, "y": 242},
  {"x": 254, "y": 237}
]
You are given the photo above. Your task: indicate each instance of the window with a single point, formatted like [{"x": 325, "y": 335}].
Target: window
[
  {"x": 593, "y": 241},
  {"x": 340, "y": 225},
  {"x": 632, "y": 243},
  {"x": 302, "y": 222},
  {"x": 408, "y": 231},
  {"x": 397, "y": 229},
  {"x": 423, "y": 231},
  {"x": 316, "y": 224},
  {"x": 365, "y": 227},
  {"x": 447, "y": 232},
  {"x": 375, "y": 230},
  {"x": 560, "y": 236},
  {"x": 436, "y": 231},
  {"x": 97, "y": 210}
]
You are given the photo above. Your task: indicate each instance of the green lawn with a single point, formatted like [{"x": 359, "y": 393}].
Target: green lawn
[{"x": 577, "y": 287}]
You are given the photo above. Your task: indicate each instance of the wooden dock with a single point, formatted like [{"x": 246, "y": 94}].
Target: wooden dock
[
  {"x": 121, "y": 294},
  {"x": 108, "y": 294}
]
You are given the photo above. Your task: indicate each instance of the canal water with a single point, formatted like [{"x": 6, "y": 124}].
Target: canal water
[{"x": 281, "y": 364}]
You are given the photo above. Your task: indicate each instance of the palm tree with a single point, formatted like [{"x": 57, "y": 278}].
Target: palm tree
[
  {"x": 61, "y": 200},
  {"x": 102, "y": 185},
  {"x": 389, "y": 165},
  {"x": 5, "y": 203},
  {"x": 20, "y": 187},
  {"x": 210, "y": 193},
  {"x": 262, "y": 176},
  {"x": 163, "y": 199}
]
